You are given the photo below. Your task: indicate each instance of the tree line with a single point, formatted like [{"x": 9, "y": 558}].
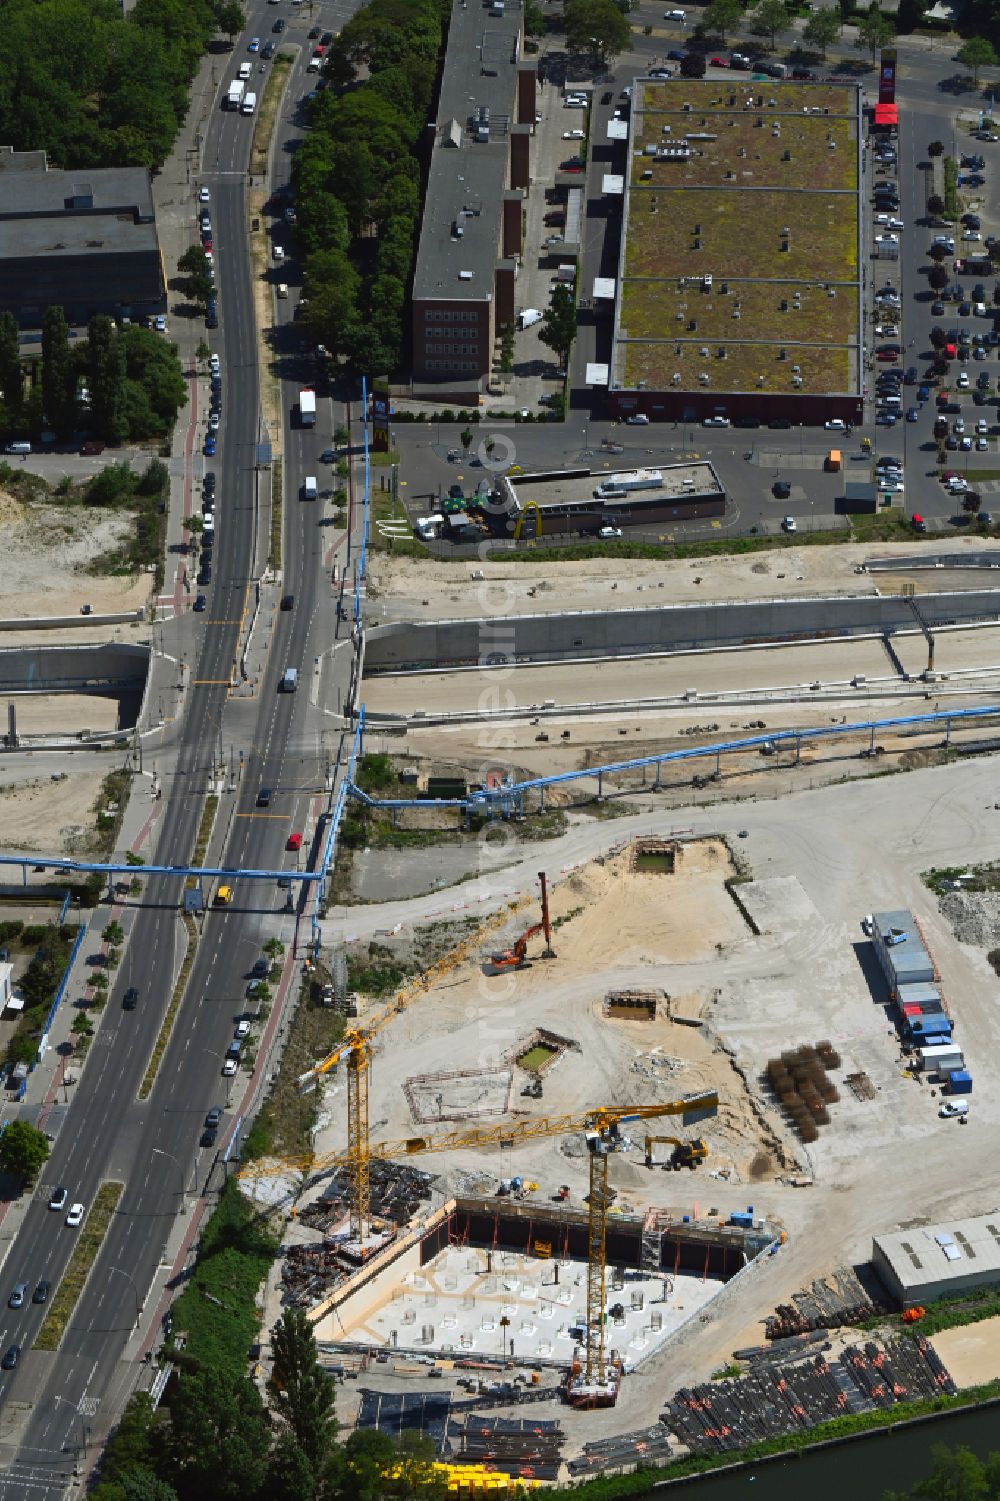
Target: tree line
[
  {"x": 357, "y": 180},
  {"x": 132, "y": 376},
  {"x": 96, "y": 89},
  {"x": 219, "y": 1440}
]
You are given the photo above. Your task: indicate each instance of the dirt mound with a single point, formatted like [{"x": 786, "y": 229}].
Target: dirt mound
[{"x": 974, "y": 916}]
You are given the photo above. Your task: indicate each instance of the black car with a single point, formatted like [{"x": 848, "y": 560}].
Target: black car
[
  {"x": 779, "y": 422},
  {"x": 200, "y": 604},
  {"x": 287, "y": 601},
  {"x": 804, "y": 74},
  {"x": 204, "y": 575},
  {"x": 910, "y": 377},
  {"x": 41, "y": 1293},
  {"x": 267, "y": 51},
  {"x": 130, "y": 999},
  {"x": 209, "y": 1136},
  {"x": 607, "y": 96},
  {"x": 208, "y": 482},
  {"x": 211, "y": 318},
  {"x": 781, "y": 489},
  {"x": 214, "y": 1116},
  {"x": 278, "y": 26},
  {"x": 965, "y": 309},
  {"x": 314, "y": 33},
  {"x": 264, "y": 797},
  {"x": 326, "y": 38},
  {"x": 937, "y": 309},
  {"x": 11, "y": 1357}
]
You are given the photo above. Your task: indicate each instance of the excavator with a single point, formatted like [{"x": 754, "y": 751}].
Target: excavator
[
  {"x": 516, "y": 957},
  {"x": 685, "y": 1153}
]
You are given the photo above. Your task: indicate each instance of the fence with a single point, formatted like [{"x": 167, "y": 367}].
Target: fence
[{"x": 43, "y": 1041}]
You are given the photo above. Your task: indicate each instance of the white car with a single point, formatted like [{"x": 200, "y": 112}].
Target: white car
[
  {"x": 575, "y": 101},
  {"x": 957, "y": 485},
  {"x": 788, "y": 524},
  {"x": 896, "y": 224},
  {"x": 214, "y": 363},
  {"x": 75, "y": 1216},
  {"x": 229, "y": 1068},
  {"x": 243, "y": 1028},
  {"x": 892, "y": 487},
  {"x": 638, "y": 419},
  {"x": 606, "y": 532},
  {"x": 971, "y": 234},
  {"x": 982, "y": 427},
  {"x": 868, "y": 924},
  {"x": 202, "y": 195},
  {"x": 574, "y": 135},
  {"x": 278, "y": 251},
  {"x": 979, "y": 308},
  {"x": 886, "y": 331},
  {"x": 959, "y": 427},
  {"x": 160, "y": 323},
  {"x": 982, "y": 445},
  {"x": 715, "y": 422},
  {"x": 965, "y": 444},
  {"x": 836, "y": 425},
  {"x": 675, "y": 15},
  {"x": 963, "y": 380}
]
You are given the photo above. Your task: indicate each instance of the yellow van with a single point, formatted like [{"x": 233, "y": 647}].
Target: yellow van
[{"x": 223, "y": 896}]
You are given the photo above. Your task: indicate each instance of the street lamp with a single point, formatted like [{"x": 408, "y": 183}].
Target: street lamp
[
  {"x": 230, "y": 1078},
  {"x": 139, "y": 1304},
  {"x": 159, "y": 1152},
  {"x": 83, "y": 1427}
]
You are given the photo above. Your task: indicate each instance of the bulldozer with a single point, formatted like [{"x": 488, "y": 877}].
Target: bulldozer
[
  {"x": 516, "y": 957},
  {"x": 685, "y": 1153}
]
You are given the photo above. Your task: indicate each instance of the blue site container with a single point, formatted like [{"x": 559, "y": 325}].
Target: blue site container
[
  {"x": 744, "y": 1221},
  {"x": 960, "y": 1082}
]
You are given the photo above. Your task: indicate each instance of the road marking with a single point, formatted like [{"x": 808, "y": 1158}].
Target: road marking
[
  {"x": 262, "y": 815},
  {"x": 211, "y": 682}
]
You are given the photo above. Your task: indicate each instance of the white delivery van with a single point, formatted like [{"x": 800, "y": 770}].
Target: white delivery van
[
  {"x": 249, "y": 104},
  {"x": 290, "y": 680},
  {"x": 310, "y": 489}
]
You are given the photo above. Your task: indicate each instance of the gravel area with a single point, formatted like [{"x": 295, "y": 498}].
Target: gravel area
[{"x": 974, "y": 916}]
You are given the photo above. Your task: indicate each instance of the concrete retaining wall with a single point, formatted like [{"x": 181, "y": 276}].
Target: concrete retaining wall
[
  {"x": 113, "y": 667},
  {"x": 666, "y": 628},
  {"x": 62, "y": 622}
]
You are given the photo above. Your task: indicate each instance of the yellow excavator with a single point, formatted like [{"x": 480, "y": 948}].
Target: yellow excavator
[{"x": 685, "y": 1153}]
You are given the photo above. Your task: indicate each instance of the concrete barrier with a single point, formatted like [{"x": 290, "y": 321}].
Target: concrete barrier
[
  {"x": 61, "y": 622},
  {"x": 111, "y": 666},
  {"x": 419, "y": 645}
]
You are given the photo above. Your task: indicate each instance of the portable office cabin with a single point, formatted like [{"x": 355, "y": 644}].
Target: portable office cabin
[{"x": 900, "y": 950}]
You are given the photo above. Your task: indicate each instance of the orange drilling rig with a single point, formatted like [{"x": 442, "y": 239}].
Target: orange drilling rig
[{"x": 517, "y": 956}]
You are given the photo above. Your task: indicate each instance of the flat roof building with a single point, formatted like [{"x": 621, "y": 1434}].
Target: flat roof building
[
  {"x": 920, "y": 1265},
  {"x": 542, "y": 504},
  {"x": 82, "y": 240},
  {"x": 739, "y": 281},
  {"x": 479, "y": 173}
]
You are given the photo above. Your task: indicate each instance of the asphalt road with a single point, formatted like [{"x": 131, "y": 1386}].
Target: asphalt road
[{"x": 49, "y": 1402}]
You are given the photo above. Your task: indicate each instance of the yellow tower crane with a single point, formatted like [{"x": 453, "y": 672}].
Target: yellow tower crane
[
  {"x": 355, "y": 1050},
  {"x": 596, "y": 1382}
]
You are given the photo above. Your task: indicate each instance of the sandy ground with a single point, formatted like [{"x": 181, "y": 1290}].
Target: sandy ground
[
  {"x": 406, "y": 588},
  {"x": 47, "y": 816},
  {"x": 63, "y": 713},
  {"x": 44, "y": 554},
  {"x": 972, "y": 1353}
]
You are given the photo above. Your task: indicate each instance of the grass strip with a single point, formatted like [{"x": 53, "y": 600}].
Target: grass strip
[
  {"x": 84, "y": 1255},
  {"x": 267, "y": 113},
  {"x": 149, "y": 1078},
  {"x": 276, "y": 514},
  {"x": 951, "y": 203},
  {"x": 208, "y": 813}
]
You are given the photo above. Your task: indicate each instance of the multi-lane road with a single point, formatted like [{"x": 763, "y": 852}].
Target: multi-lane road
[{"x": 52, "y": 1405}]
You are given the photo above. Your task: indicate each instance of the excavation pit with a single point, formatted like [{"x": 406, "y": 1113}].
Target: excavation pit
[
  {"x": 631, "y": 1005},
  {"x": 541, "y": 1050},
  {"x": 445, "y": 1287},
  {"x": 655, "y": 857},
  {"x": 466, "y": 1094}
]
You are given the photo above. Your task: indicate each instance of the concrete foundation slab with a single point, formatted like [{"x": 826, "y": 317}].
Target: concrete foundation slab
[{"x": 471, "y": 1301}]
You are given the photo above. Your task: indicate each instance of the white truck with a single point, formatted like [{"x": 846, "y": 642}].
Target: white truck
[
  {"x": 235, "y": 96},
  {"x": 249, "y": 104},
  {"x": 307, "y": 407}
]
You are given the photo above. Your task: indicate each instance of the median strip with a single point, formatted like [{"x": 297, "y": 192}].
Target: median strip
[
  {"x": 149, "y": 1078},
  {"x": 75, "y": 1276}
]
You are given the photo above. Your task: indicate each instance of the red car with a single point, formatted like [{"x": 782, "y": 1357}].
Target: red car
[
  {"x": 719, "y": 62},
  {"x": 319, "y": 52},
  {"x": 294, "y": 842}
]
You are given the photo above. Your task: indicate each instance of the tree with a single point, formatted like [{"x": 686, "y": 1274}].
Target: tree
[
  {"x": 11, "y": 373},
  {"x": 823, "y": 28},
  {"x": 693, "y": 65},
  {"x": 875, "y": 31},
  {"x": 770, "y": 17},
  {"x": 558, "y": 329},
  {"x": 106, "y": 362},
  {"x": 58, "y": 377},
  {"x": 198, "y": 283},
  {"x": 309, "y": 1394},
  {"x": 938, "y": 278},
  {"x": 465, "y": 438},
  {"x": 218, "y": 1444},
  {"x": 935, "y": 205},
  {"x": 24, "y": 1150},
  {"x": 938, "y": 337},
  {"x": 230, "y": 19},
  {"x": 721, "y": 16},
  {"x": 597, "y": 27},
  {"x": 956, "y": 1475},
  {"x": 41, "y": 978},
  {"x": 977, "y": 53},
  {"x": 534, "y": 19},
  {"x": 936, "y": 148}
]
